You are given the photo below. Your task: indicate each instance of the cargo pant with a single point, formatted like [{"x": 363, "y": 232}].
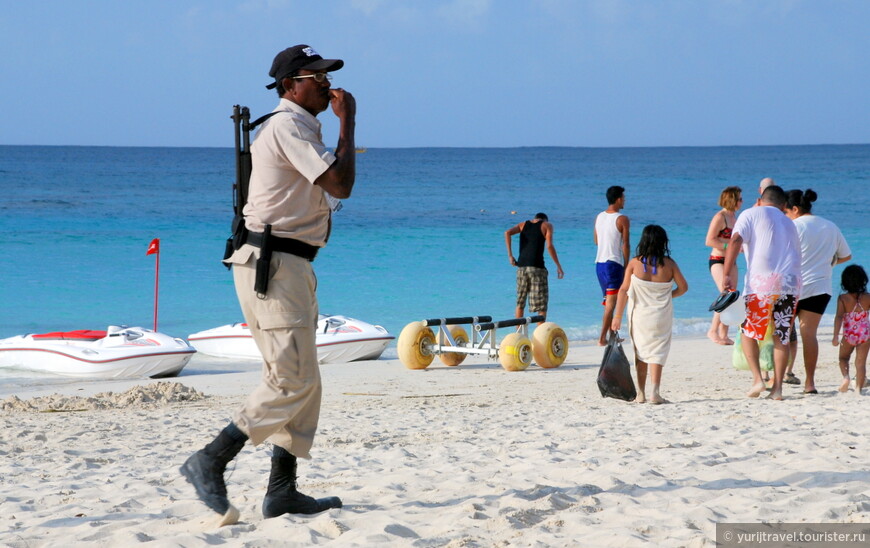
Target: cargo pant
[{"x": 285, "y": 407}]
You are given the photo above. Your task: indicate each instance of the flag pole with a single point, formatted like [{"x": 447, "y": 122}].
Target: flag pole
[
  {"x": 154, "y": 248},
  {"x": 156, "y": 287}
]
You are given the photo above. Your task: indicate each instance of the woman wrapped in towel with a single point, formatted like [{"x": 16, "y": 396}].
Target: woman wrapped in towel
[{"x": 648, "y": 288}]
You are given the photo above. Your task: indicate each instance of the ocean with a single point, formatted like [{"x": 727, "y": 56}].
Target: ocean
[{"x": 421, "y": 237}]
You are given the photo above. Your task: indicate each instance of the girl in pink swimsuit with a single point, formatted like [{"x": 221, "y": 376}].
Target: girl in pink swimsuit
[{"x": 852, "y": 307}]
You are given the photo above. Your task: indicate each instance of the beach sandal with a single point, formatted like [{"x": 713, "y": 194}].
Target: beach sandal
[
  {"x": 724, "y": 300},
  {"x": 791, "y": 379}
]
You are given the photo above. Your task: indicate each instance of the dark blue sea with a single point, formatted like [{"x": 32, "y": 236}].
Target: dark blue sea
[{"x": 422, "y": 235}]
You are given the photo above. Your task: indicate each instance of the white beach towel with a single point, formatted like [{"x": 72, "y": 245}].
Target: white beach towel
[{"x": 651, "y": 317}]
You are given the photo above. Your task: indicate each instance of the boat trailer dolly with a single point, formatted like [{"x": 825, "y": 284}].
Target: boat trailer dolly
[{"x": 418, "y": 343}]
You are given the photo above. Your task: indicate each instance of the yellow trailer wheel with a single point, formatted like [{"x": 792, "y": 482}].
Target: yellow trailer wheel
[
  {"x": 460, "y": 337},
  {"x": 515, "y": 352},
  {"x": 415, "y": 346},
  {"x": 549, "y": 345}
]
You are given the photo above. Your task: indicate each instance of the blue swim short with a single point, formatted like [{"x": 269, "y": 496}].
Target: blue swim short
[{"x": 610, "y": 275}]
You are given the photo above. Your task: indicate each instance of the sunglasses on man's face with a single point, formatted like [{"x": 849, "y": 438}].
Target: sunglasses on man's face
[{"x": 319, "y": 77}]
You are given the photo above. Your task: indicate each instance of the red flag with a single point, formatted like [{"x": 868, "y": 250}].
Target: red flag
[{"x": 153, "y": 247}]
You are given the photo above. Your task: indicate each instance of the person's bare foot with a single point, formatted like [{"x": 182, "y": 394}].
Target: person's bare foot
[
  {"x": 641, "y": 398},
  {"x": 713, "y": 336},
  {"x": 602, "y": 342},
  {"x": 756, "y": 390},
  {"x": 844, "y": 386},
  {"x": 726, "y": 342},
  {"x": 777, "y": 395},
  {"x": 658, "y": 400}
]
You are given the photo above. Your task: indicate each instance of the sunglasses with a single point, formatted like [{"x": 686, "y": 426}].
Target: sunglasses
[{"x": 319, "y": 77}]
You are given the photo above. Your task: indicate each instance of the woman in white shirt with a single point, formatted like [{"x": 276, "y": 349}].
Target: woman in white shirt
[{"x": 822, "y": 247}]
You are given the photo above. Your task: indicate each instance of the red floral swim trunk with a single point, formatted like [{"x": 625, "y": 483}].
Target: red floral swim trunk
[{"x": 762, "y": 309}]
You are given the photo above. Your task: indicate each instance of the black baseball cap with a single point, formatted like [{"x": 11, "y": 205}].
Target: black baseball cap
[{"x": 301, "y": 57}]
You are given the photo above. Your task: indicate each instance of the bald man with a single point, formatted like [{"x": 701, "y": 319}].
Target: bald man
[{"x": 766, "y": 182}]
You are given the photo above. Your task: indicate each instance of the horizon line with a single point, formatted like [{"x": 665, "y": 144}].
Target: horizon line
[{"x": 444, "y": 147}]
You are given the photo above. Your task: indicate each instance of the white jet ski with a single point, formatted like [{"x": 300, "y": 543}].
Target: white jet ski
[
  {"x": 339, "y": 339},
  {"x": 119, "y": 352}
]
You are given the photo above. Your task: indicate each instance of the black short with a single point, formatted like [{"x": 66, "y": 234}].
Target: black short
[
  {"x": 715, "y": 260},
  {"x": 816, "y": 303}
]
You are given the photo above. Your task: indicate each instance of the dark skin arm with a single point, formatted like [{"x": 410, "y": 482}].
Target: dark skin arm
[
  {"x": 507, "y": 240},
  {"x": 338, "y": 180},
  {"x": 316, "y": 97},
  {"x": 547, "y": 229},
  {"x": 623, "y": 225}
]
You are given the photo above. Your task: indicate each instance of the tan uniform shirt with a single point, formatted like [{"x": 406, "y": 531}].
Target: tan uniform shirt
[{"x": 288, "y": 155}]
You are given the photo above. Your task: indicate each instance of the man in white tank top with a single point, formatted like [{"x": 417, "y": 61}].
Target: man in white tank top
[{"x": 611, "y": 235}]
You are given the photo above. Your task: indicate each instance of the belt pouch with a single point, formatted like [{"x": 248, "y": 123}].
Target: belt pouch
[
  {"x": 261, "y": 280},
  {"x": 228, "y": 250},
  {"x": 237, "y": 240},
  {"x": 240, "y": 232}
]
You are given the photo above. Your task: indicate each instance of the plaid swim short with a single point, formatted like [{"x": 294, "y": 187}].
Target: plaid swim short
[
  {"x": 532, "y": 283},
  {"x": 761, "y": 309}
]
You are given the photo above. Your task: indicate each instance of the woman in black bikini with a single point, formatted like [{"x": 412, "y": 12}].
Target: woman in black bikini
[{"x": 718, "y": 236}]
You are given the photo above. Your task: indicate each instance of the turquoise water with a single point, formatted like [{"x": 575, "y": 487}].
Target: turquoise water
[{"x": 421, "y": 237}]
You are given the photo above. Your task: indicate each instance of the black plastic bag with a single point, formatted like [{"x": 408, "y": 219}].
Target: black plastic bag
[{"x": 614, "y": 376}]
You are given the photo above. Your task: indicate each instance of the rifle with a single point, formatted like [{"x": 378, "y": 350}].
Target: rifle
[{"x": 242, "y": 128}]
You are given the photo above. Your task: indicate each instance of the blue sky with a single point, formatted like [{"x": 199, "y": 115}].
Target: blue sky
[{"x": 483, "y": 73}]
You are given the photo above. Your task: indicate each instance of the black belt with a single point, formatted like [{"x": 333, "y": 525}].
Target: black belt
[{"x": 284, "y": 245}]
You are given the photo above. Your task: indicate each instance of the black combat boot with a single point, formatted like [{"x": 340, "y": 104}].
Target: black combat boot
[
  {"x": 205, "y": 468},
  {"x": 282, "y": 496}
]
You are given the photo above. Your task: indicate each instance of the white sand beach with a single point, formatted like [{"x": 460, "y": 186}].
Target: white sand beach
[{"x": 464, "y": 456}]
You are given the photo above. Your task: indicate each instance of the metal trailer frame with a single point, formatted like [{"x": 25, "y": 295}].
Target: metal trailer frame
[
  {"x": 483, "y": 333},
  {"x": 422, "y": 340}
]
